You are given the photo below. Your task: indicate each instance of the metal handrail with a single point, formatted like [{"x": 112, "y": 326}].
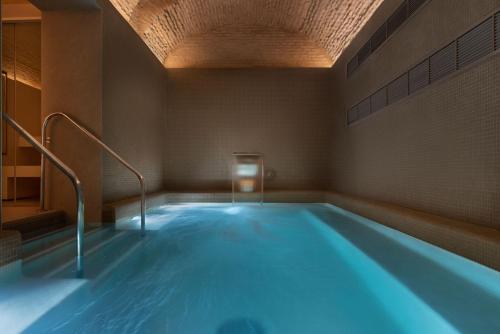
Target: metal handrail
[
  {"x": 105, "y": 147},
  {"x": 80, "y": 223}
]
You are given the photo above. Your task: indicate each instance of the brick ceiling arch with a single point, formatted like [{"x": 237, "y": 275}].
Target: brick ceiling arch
[{"x": 247, "y": 33}]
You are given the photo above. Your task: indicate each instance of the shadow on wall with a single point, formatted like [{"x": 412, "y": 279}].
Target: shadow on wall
[{"x": 241, "y": 326}]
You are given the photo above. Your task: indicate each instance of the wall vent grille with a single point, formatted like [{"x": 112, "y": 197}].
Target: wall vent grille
[
  {"x": 397, "y": 89},
  {"x": 379, "y": 37},
  {"x": 413, "y": 5},
  {"x": 419, "y": 76},
  {"x": 497, "y": 31},
  {"x": 364, "y": 52},
  {"x": 364, "y": 108},
  {"x": 379, "y": 99},
  {"x": 397, "y": 18},
  {"x": 352, "y": 115},
  {"x": 353, "y": 64},
  {"x": 475, "y": 44},
  {"x": 443, "y": 62}
]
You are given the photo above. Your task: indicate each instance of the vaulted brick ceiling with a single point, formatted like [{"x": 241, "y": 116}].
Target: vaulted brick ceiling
[{"x": 247, "y": 33}]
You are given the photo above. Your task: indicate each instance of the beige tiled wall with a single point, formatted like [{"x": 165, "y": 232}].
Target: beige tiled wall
[
  {"x": 438, "y": 149},
  {"x": 71, "y": 81},
  {"x": 133, "y": 108},
  {"x": 284, "y": 114},
  {"x": 10, "y": 246}
]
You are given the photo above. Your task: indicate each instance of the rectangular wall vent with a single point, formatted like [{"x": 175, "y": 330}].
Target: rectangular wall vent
[
  {"x": 443, "y": 62},
  {"x": 397, "y": 89},
  {"x": 364, "y": 52},
  {"x": 352, "y": 115},
  {"x": 413, "y": 5},
  {"x": 476, "y": 43},
  {"x": 379, "y": 37},
  {"x": 397, "y": 19},
  {"x": 352, "y": 65},
  {"x": 379, "y": 99},
  {"x": 364, "y": 108},
  {"x": 419, "y": 76},
  {"x": 497, "y": 31}
]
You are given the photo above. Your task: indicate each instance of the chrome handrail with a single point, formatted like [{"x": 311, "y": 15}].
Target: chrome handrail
[
  {"x": 80, "y": 223},
  {"x": 105, "y": 147}
]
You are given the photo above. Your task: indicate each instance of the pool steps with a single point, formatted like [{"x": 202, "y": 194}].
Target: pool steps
[
  {"x": 27, "y": 300},
  {"x": 50, "y": 240},
  {"x": 66, "y": 269},
  {"x": 59, "y": 261},
  {"x": 48, "y": 276},
  {"x": 116, "y": 248},
  {"x": 47, "y": 244},
  {"x": 38, "y": 224}
]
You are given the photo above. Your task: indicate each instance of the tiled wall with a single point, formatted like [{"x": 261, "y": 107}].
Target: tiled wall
[
  {"x": 436, "y": 150},
  {"x": 284, "y": 114},
  {"x": 467, "y": 49},
  {"x": 133, "y": 108},
  {"x": 394, "y": 21},
  {"x": 72, "y": 84},
  {"x": 10, "y": 246}
]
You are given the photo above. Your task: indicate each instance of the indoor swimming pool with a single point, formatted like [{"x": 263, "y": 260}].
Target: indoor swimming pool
[{"x": 275, "y": 268}]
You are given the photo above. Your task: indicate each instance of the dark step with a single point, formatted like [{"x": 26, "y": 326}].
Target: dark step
[
  {"x": 61, "y": 252},
  {"x": 103, "y": 257},
  {"x": 42, "y": 243},
  {"x": 38, "y": 224},
  {"x": 106, "y": 260}
]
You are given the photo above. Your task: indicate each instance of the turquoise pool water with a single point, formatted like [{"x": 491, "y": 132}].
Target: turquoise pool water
[{"x": 276, "y": 268}]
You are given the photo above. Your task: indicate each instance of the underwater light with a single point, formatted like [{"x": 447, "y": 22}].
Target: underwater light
[{"x": 234, "y": 210}]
